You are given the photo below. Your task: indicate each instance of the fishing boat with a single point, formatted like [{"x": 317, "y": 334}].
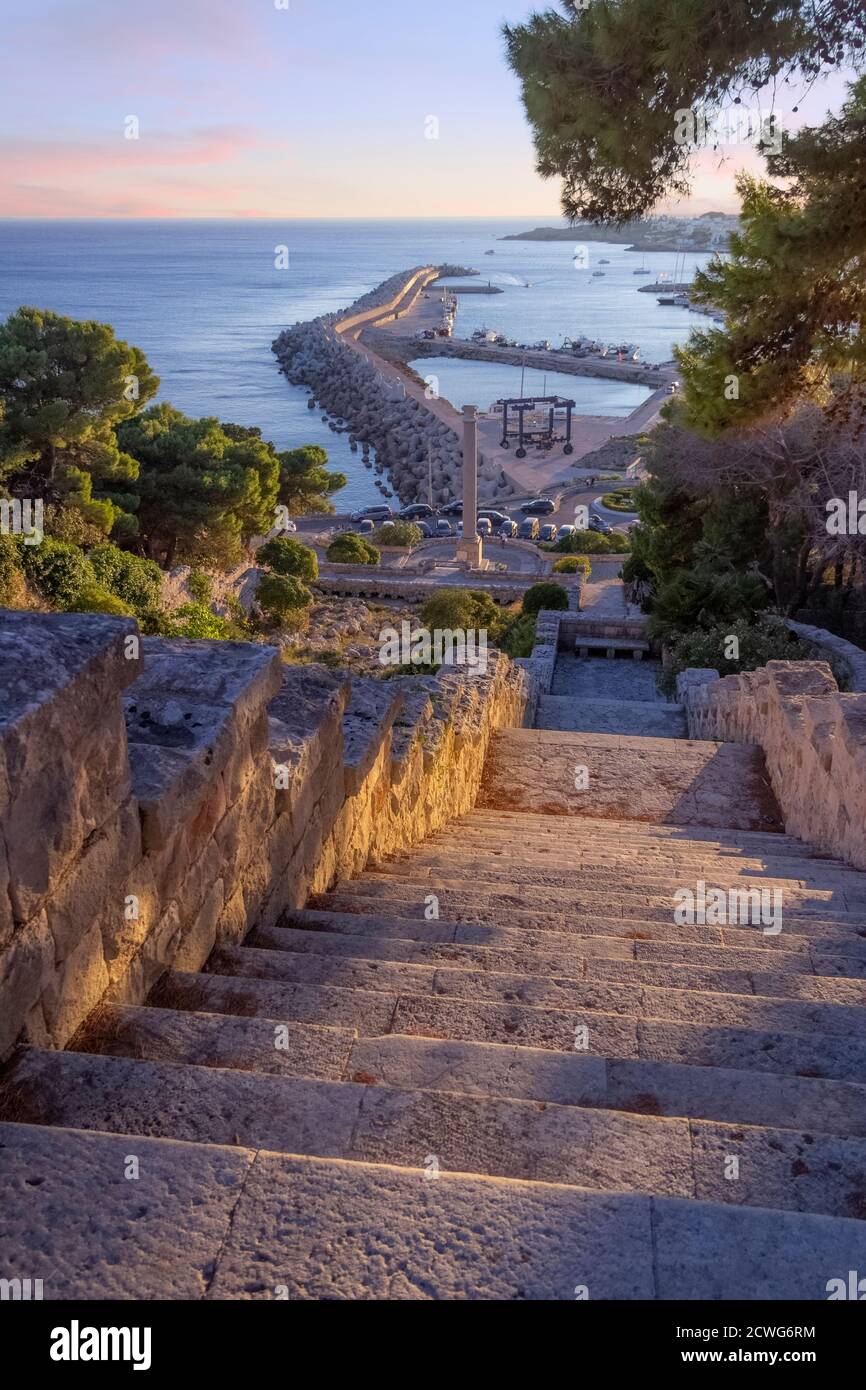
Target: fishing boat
[
  {"x": 598, "y": 275},
  {"x": 604, "y": 262}
]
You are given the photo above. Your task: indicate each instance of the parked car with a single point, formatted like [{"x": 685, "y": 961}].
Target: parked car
[
  {"x": 539, "y": 506},
  {"x": 508, "y": 528},
  {"x": 566, "y": 531},
  {"x": 443, "y": 527},
  {"x": 417, "y": 511},
  {"x": 495, "y": 518},
  {"x": 425, "y": 528},
  {"x": 363, "y": 527},
  {"x": 452, "y": 508},
  {"x": 483, "y": 526},
  {"x": 548, "y": 532},
  {"x": 375, "y": 513},
  {"x": 596, "y": 524},
  {"x": 528, "y": 529}
]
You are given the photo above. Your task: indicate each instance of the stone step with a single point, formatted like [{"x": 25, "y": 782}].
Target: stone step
[
  {"x": 818, "y": 908},
  {"x": 404, "y": 902},
  {"x": 653, "y": 1088},
  {"x": 217, "y": 1040},
  {"x": 638, "y": 717},
  {"x": 481, "y": 1069},
  {"x": 529, "y": 828},
  {"x": 719, "y": 785},
  {"x": 829, "y": 989},
  {"x": 601, "y": 1149},
  {"x": 644, "y": 942},
  {"x": 389, "y": 1233},
  {"x": 834, "y": 1057},
  {"x": 563, "y": 871},
  {"x": 542, "y": 991}
]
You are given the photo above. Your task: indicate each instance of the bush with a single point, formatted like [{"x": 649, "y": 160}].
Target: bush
[
  {"x": 57, "y": 570},
  {"x": 464, "y": 609},
  {"x": 572, "y": 564},
  {"x": 10, "y": 569},
  {"x": 352, "y": 549},
  {"x": 135, "y": 581},
  {"x": 699, "y": 599},
  {"x": 621, "y": 500},
  {"x": 758, "y": 644},
  {"x": 398, "y": 532},
  {"x": 289, "y": 557},
  {"x": 593, "y": 543},
  {"x": 94, "y": 599},
  {"x": 195, "y": 620},
  {"x": 518, "y": 639},
  {"x": 200, "y": 586},
  {"x": 282, "y": 598},
  {"x": 545, "y": 596}
]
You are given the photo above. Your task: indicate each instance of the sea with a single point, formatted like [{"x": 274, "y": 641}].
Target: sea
[{"x": 205, "y": 299}]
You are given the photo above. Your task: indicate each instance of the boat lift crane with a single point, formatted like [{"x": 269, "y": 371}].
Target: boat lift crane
[{"x": 543, "y": 433}]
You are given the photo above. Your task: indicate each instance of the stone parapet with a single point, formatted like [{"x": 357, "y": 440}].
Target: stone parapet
[
  {"x": 160, "y": 798},
  {"x": 813, "y": 737}
]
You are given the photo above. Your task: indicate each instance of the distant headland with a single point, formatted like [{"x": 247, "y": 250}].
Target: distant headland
[{"x": 709, "y": 232}]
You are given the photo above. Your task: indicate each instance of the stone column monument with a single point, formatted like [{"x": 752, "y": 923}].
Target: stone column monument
[{"x": 469, "y": 547}]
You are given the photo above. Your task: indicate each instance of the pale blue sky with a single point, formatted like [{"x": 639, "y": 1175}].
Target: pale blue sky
[{"x": 246, "y": 109}]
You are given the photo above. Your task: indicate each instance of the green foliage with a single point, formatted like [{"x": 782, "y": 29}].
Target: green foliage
[
  {"x": 458, "y": 609},
  {"x": 281, "y": 596},
  {"x": 592, "y": 543},
  {"x": 64, "y": 387},
  {"x": 398, "y": 532},
  {"x": 351, "y": 549},
  {"x": 57, "y": 570},
  {"x": 518, "y": 637},
  {"x": 305, "y": 484},
  {"x": 621, "y": 500},
  {"x": 203, "y": 487},
  {"x": 705, "y": 648},
  {"x": 195, "y": 620},
  {"x": 698, "y": 599},
  {"x": 547, "y": 595},
  {"x": 93, "y": 598},
  {"x": 573, "y": 564},
  {"x": 200, "y": 586},
  {"x": 10, "y": 569},
  {"x": 604, "y": 85},
  {"x": 133, "y": 580},
  {"x": 289, "y": 557}
]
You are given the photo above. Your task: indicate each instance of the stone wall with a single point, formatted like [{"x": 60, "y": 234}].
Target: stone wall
[
  {"x": 847, "y": 661},
  {"x": 158, "y": 798},
  {"x": 813, "y": 737}
]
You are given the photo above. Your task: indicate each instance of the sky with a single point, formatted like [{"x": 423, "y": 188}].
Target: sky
[{"x": 279, "y": 108}]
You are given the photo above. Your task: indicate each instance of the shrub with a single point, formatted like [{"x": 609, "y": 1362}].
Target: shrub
[
  {"x": 282, "y": 597},
  {"x": 621, "y": 500},
  {"x": 200, "y": 586},
  {"x": 10, "y": 569},
  {"x": 593, "y": 543},
  {"x": 195, "y": 620},
  {"x": 758, "y": 644},
  {"x": 352, "y": 549},
  {"x": 57, "y": 570},
  {"x": 518, "y": 639},
  {"x": 572, "y": 564},
  {"x": 94, "y": 599},
  {"x": 289, "y": 557},
  {"x": 455, "y": 608},
  {"x": 546, "y": 595},
  {"x": 699, "y": 599},
  {"x": 398, "y": 532},
  {"x": 135, "y": 581}
]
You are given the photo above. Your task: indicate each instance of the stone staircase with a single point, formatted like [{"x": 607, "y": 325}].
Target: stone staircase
[{"x": 492, "y": 1067}]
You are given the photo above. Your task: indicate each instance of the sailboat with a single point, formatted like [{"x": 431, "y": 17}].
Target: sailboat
[{"x": 643, "y": 268}]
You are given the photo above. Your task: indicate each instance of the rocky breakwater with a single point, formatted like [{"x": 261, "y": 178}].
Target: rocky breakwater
[{"x": 370, "y": 402}]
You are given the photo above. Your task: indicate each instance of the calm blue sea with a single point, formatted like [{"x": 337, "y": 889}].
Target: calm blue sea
[{"x": 204, "y": 300}]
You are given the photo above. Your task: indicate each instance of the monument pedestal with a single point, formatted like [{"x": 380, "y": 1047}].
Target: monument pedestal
[{"x": 469, "y": 552}]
